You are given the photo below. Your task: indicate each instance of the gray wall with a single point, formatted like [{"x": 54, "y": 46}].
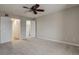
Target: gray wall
[{"x": 60, "y": 26}]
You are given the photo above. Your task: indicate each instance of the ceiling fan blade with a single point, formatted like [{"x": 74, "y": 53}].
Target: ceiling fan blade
[
  {"x": 40, "y": 10},
  {"x": 34, "y": 12},
  {"x": 35, "y": 6},
  {"x": 26, "y": 7}
]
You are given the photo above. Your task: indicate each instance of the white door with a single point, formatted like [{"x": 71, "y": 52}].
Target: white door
[
  {"x": 28, "y": 28},
  {"x": 32, "y": 31}
]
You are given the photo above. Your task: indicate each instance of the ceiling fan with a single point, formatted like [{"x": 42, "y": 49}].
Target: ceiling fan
[{"x": 34, "y": 8}]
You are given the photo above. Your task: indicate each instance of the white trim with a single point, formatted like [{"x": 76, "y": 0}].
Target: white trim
[{"x": 68, "y": 43}]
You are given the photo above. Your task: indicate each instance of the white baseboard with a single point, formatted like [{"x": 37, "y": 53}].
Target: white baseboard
[
  {"x": 68, "y": 43},
  {"x": 5, "y": 41}
]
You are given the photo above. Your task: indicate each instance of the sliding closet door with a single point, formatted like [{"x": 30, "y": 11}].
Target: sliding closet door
[
  {"x": 6, "y": 29},
  {"x": 32, "y": 31},
  {"x": 28, "y": 28},
  {"x": 23, "y": 29}
]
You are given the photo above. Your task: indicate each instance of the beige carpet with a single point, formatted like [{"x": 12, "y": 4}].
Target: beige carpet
[{"x": 37, "y": 47}]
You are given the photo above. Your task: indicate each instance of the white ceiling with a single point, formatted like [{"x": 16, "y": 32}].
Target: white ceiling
[{"x": 16, "y": 9}]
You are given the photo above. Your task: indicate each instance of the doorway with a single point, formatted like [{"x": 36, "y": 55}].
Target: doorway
[{"x": 16, "y": 30}]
